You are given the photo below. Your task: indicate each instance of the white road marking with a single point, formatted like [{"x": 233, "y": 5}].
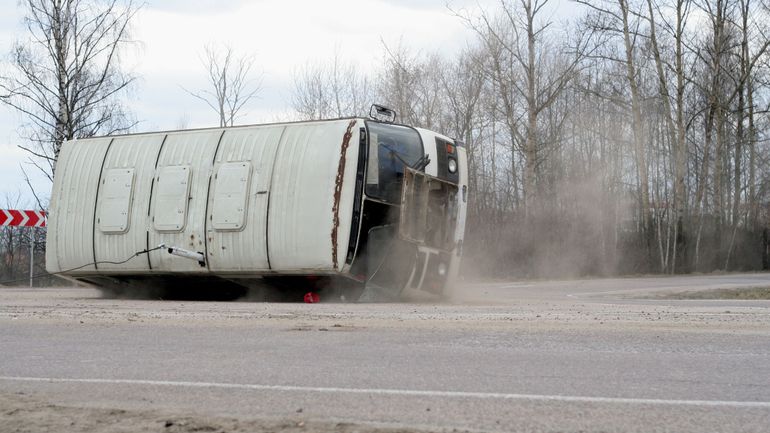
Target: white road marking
[{"x": 399, "y": 392}]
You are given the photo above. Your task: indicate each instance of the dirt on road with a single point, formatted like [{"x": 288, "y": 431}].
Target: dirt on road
[
  {"x": 21, "y": 413},
  {"x": 516, "y": 309}
]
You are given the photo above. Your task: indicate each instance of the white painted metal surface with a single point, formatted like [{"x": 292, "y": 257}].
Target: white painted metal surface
[
  {"x": 462, "y": 209},
  {"x": 230, "y": 195},
  {"x": 244, "y": 250},
  {"x": 252, "y": 199},
  {"x": 429, "y": 145},
  {"x": 137, "y": 153},
  {"x": 172, "y": 185},
  {"x": 182, "y": 155},
  {"x": 301, "y": 211},
  {"x": 112, "y": 211},
  {"x": 73, "y": 199}
]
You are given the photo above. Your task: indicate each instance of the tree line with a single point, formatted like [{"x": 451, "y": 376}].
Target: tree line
[{"x": 632, "y": 138}]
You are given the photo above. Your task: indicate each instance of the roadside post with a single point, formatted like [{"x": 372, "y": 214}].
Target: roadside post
[{"x": 25, "y": 218}]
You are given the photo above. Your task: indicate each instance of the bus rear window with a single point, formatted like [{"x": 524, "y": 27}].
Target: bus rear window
[{"x": 391, "y": 147}]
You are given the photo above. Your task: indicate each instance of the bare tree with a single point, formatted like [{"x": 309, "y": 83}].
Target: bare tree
[
  {"x": 399, "y": 82},
  {"x": 531, "y": 65},
  {"x": 674, "y": 117},
  {"x": 333, "y": 89},
  {"x": 311, "y": 98},
  {"x": 232, "y": 84},
  {"x": 462, "y": 85},
  {"x": 65, "y": 78},
  {"x": 622, "y": 21}
]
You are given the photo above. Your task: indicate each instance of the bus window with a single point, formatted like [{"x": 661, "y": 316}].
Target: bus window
[{"x": 392, "y": 147}]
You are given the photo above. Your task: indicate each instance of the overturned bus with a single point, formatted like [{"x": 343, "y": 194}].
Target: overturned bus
[{"x": 340, "y": 207}]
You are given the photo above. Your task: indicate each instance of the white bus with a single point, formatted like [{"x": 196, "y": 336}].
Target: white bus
[{"x": 333, "y": 207}]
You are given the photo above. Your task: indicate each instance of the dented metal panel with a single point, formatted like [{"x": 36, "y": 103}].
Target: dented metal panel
[
  {"x": 194, "y": 150},
  {"x": 71, "y": 214},
  {"x": 302, "y": 201},
  {"x": 246, "y": 249},
  {"x": 137, "y": 153}
]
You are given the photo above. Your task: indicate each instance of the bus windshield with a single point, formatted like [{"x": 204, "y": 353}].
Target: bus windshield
[{"x": 391, "y": 148}]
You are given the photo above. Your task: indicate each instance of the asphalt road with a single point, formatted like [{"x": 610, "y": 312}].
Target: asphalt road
[{"x": 576, "y": 356}]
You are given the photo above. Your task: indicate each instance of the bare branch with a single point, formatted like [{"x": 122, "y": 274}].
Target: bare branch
[
  {"x": 232, "y": 84},
  {"x": 66, "y": 80}
]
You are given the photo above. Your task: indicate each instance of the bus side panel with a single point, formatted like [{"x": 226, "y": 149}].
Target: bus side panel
[
  {"x": 182, "y": 152},
  {"x": 71, "y": 214},
  {"x": 136, "y": 155},
  {"x": 237, "y": 249},
  {"x": 301, "y": 222}
]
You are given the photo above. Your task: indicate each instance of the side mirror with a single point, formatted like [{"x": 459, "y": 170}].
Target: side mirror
[{"x": 382, "y": 114}]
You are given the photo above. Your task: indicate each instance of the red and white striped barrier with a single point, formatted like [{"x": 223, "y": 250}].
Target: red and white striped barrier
[{"x": 23, "y": 218}]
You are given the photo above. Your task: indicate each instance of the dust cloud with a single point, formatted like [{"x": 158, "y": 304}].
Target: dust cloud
[{"x": 578, "y": 229}]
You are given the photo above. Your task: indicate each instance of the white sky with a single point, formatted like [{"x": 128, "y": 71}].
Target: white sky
[{"x": 282, "y": 34}]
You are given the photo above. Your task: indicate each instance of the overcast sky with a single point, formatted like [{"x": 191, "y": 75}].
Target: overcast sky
[{"x": 283, "y": 35}]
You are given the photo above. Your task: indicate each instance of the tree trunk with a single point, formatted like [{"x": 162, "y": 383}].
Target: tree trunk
[
  {"x": 639, "y": 148},
  {"x": 530, "y": 147}
]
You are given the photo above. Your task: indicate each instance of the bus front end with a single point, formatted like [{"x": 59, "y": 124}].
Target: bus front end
[{"x": 412, "y": 214}]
